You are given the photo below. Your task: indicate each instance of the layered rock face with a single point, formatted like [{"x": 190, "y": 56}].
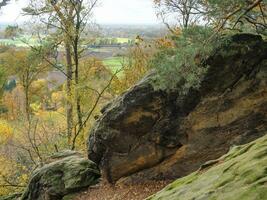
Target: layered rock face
[
  {"x": 134, "y": 132},
  {"x": 68, "y": 172},
  {"x": 154, "y": 134}
]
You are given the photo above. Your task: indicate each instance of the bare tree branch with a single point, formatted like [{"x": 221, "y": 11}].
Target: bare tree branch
[{"x": 248, "y": 9}]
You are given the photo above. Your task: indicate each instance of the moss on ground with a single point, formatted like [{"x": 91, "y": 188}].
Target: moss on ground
[{"x": 239, "y": 175}]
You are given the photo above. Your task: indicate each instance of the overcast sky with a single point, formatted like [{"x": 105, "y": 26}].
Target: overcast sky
[{"x": 108, "y": 12}]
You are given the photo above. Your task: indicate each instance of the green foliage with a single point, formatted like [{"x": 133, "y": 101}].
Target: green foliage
[
  {"x": 179, "y": 66},
  {"x": 2, "y": 76},
  {"x": 10, "y": 85},
  {"x": 3, "y": 3},
  {"x": 12, "y": 31},
  {"x": 249, "y": 16},
  {"x": 3, "y": 109},
  {"x": 221, "y": 15}
]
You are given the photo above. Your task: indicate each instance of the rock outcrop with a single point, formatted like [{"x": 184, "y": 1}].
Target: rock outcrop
[
  {"x": 155, "y": 134},
  {"x": 134, "y": 132},
  {"x": 240, "y": 174},
  {"x": 68, "y": 173}
]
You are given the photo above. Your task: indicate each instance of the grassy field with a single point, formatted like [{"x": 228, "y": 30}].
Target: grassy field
[
  {"x": 19, "y": 42},
  {"x": 25, "y": 41},
  {"x": 123, "y": 40},
  {"x": 114, "y": 63}
]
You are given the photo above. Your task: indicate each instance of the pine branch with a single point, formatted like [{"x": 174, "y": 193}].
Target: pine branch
[{"x": 3, "y": 3}]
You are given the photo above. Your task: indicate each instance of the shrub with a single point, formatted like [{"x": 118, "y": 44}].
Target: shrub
[{"x": 179, "y": 66}]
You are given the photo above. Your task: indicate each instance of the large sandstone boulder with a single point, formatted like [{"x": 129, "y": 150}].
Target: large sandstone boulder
[
  {"x": 134, "y": 131},
  {"x": 68, "y": 173},
  {"x": 154, "y": 134}
]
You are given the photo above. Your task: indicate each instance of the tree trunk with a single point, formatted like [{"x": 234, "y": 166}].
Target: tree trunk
[
  {"x": 78, "y": 97},
  {"x": 69, "y": 106},
  {"x": 27, "y": 104}
]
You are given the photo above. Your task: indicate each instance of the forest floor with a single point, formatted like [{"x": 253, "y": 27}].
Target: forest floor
[{"x": 122, "y": 192}]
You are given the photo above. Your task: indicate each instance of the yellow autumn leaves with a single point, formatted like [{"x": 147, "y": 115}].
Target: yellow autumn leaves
[
  {"x": 9, "y": 178},
  {"x": 6, "y": 131}
]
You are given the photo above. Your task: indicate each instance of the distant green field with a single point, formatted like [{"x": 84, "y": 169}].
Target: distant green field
[
  {"x": 24, "y": 41},
  {"x": 123, "y": 40},
  {"x": 99, "y": 50},
  {"x": 119, "y": 40},
  {"x": 114, "y": 63}
]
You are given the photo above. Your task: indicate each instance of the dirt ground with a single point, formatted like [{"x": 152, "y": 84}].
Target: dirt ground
[{"x": 122, "y": 192}]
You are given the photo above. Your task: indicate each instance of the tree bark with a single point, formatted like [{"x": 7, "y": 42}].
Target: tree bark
[
  {"x": 27, "y": 103},
  {"x": 69, "y": 106},
  {"x": 77, "y": 94}
]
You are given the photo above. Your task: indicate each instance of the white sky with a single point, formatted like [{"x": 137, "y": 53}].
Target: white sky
[{"x": 108, "y": 12}]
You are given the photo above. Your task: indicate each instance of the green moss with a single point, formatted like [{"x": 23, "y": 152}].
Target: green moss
[
  {"x": 69, "y": 197},
  {"x": 241, "y": 174},
  {"x": 62, "y": 177}
]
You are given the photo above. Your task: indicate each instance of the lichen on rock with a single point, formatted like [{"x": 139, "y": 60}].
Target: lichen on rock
[
  {"x": 240, "y": 174},
  {"x": 68, "y": 174}
]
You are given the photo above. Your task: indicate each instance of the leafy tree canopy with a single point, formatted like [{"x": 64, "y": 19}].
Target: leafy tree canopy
[{"x": 233, "y": 14}]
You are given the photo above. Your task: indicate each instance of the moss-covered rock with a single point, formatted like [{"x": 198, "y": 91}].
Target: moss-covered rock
[
  {"x": 240, "y": 174},
  {"x": 14, "y": 196},
  {"x": 61, "y": 177}
]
